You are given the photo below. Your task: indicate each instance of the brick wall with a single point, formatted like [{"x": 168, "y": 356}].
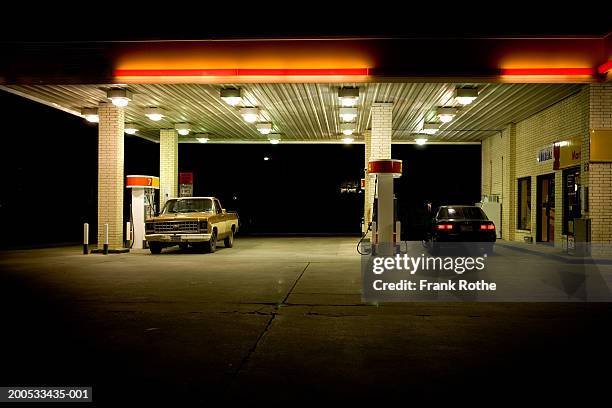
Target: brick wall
[
  {"x": 110, "y": 174},
  {"x": 168, "y": 165},
  {"x": 512, "y": 155},
  {"x": 600, "y": 174}
]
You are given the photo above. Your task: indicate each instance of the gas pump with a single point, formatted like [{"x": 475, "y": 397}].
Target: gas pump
[
  {"x": 143, "y": 205},
  {"x": 385, "y": 227}
]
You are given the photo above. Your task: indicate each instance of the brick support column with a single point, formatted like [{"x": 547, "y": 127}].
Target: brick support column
[
  {"x": 168, "y": 165},
  {"x": 368, "y": 196},
  {"x": 110, "y": 174},
  {"x": 380, "y": 148},
  {"x": 599, "y": 177}
]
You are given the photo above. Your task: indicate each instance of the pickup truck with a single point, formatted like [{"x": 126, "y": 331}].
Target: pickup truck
[{"x": 199, "y": 222}]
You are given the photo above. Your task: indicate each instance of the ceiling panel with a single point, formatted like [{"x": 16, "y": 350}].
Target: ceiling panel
[{"x": 309, "y": 112}]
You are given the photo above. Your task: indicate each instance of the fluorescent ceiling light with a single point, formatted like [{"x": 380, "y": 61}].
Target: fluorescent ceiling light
[
  {"x": 446, "y": 114},
  {"x": 264, "y": 128},
  {"x": 348, "y": 96},
  {"x": 430, "y": 128},
  {"x": 465, "y": 96},
  {"x": 231, "y": 96},
  {"x": 119, "y": 96},
  {"x": 183, "y": 129},
  {"x": 249, "y": 115},
  {"x": 420, "y": 141},
  {"x": 154, "y": 113},
  {"x": 90, "y": 114},
  {"x": 348, "y": 114}
]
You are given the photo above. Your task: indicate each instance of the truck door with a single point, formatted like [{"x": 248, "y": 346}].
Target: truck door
[{"x": 221, "y": 220}]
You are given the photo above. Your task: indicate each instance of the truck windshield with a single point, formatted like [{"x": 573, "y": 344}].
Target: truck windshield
[{"x": 188, "y": 205}]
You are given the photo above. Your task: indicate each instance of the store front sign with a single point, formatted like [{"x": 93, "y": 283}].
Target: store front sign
[
  {"x": 567, "y": 153},
  {"x": 545, "y": 154}
]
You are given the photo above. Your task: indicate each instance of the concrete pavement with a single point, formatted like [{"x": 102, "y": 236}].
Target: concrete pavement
[{"x": 279, "y": 320}]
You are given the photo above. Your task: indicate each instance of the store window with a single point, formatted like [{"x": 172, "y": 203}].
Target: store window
[{"x": 524, "y": 203}]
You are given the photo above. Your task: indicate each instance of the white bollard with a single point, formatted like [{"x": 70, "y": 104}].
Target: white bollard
[
  {"x": 85, "y": 239},
  {"x": 128, "y": 233}
]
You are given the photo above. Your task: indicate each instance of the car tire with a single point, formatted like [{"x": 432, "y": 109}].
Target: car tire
[
  {"x": 228, "y": 242},
  {"x": 155, "y": 248},
  {"x": 211, "y": 246}
]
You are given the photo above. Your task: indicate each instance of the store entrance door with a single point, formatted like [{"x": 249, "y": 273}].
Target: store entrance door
[{"x": 546, "y": 208}]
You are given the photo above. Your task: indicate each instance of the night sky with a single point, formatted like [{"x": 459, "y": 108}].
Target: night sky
[{"x": 49, "y": 177}]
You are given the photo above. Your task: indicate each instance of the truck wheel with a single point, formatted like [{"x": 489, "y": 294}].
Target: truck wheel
[
  {"x": 155, "y": 248},
  {"x": 228, "y": 242},
  {"x": 183, "y": 247},
  {"x": 211, "y": 246}
]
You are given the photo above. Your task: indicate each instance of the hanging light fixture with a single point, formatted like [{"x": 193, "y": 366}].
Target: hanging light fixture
[
  {"x": 347, "y": 128},
  {"x": 264, "y": 128},
  {"x": 231, "y": 96},
  {"x": 130, "y": 128},
  {"x": 420, "y": 141},
  {"x": 183, "y": 129},
  {"x": 348, "y": 97},
  {"x": 250, "y": 115},
  {"x": 119, "y": 96},
  {"x": 446, "y": 114},
  {"x": 348, "y": 114},
  {"x": 347, "y": 140},
  {"x": 274, "y": 139},
  {"x": 465, "y": 96},
  {"x": 90, "y": 114},
  {"x": 154, "y": 113},
  {"x": 430, "y": 128}
]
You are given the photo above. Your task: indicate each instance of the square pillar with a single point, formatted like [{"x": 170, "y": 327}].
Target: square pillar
[
  {"x": 168, "y": 165},
  {"x": 368, "y": 196},
  {"x": 380, "y": 148},
  {"x": 110, "y": 174}
]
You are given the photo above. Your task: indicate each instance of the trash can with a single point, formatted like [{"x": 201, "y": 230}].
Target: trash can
[{"x": 582, "y": 237}]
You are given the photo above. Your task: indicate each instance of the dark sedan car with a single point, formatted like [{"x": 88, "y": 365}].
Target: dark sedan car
[{"x": 461, "y": 224}]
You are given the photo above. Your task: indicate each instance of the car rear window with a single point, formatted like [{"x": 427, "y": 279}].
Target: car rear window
[{"x": 471, "y": 213}]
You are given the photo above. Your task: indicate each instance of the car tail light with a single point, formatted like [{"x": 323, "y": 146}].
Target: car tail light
[
  {"x": 444, "y": 226},
  {"x": 487, "y": 227}
]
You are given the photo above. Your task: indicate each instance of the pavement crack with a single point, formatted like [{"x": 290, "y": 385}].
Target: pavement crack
[{"x": 244, "y": 362}]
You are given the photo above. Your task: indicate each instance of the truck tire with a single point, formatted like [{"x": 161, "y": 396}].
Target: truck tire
[
  {"x": 211, "y": 246},
  {"x": 228, "y": 242},
  {"x": 155, "y": 248}
]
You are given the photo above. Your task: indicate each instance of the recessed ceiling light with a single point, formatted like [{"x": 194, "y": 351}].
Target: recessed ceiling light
[
  {"x": 420, "y": 141},
  {"x": 90, "y": 114},
  {"x": 266, "y": 158},
  {"x": 465, "y": 96},
  {"x": 347, "y": 128},
  {"x": 446, "y": 114},
  {"x": 202, "y": 137},
  {"x": 119, "y": 96},
  {"x": 264, "y": 128},
  {"x": 183, "y": 129},
  {"x": 154, "y": 113},
  {"x": 348, "y": 140},
  {"x": 231, "y": 96},
  {"x": 130, "y": 128},
  {"x": 348, "y": 114},
  {"x": 348, "y": 96},
  {"x": 250, "y": 115},
  {"x": 274, "y": 139}
]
